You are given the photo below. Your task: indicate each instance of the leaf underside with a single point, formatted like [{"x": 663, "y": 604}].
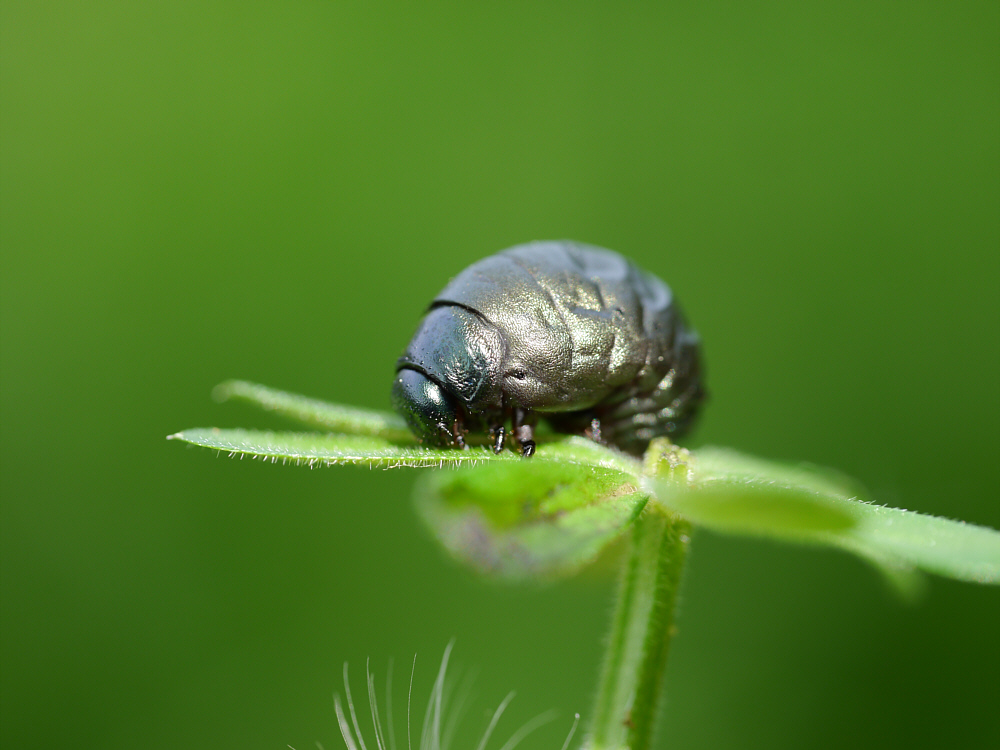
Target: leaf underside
[
  {"x": 549, "y": 515},
  {"x": 527, "y": 520}
]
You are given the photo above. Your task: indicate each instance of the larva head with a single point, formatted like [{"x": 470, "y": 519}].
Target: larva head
[
  {"x": 428, "y": 410},
  {"x": 448, "y": 381}
]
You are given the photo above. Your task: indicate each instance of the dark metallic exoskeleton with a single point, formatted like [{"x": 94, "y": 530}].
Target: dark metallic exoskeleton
[{"x": 571, "y": 333}]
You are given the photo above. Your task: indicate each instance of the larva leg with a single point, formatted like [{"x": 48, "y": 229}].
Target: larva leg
[
  {"x": 524, "y": 431},
  {"x": 593, "y": 430},
  {"x": 498, "y": 434}
]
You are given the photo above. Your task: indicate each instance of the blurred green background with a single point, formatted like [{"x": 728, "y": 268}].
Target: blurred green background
[{"x": 195, "y": 191}]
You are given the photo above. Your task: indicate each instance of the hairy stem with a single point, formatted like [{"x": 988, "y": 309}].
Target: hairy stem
[{"x": 636, "y": 658}]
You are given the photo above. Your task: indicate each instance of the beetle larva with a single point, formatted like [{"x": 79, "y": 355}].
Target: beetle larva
[{"x": 570, "y": 333}]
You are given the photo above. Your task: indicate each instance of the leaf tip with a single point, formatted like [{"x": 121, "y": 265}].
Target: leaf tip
[
  {"x": 224, "y": 391},
  {"x": 907, "y": 583},
  {"x": 176, "y": 436}
]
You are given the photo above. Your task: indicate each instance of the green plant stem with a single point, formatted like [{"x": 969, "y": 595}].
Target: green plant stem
[{"x": 632, "y": 677}]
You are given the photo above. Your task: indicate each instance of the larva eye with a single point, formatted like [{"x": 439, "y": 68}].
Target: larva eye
[{"x": 519, "y": 375}]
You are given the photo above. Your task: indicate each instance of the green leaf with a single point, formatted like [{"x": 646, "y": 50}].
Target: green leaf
[
  {"x": 728, "y": 492},
  {"x": 528, "y": 519},
  {"x": 937, "y": 545},
  {"x": 317, "y": 449},
  {"x": 315, "y": 413},
  {"x": 314, "y": 449},
  {"x": 573, "y": 449},
  {"x": 602, "y": 489}
]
